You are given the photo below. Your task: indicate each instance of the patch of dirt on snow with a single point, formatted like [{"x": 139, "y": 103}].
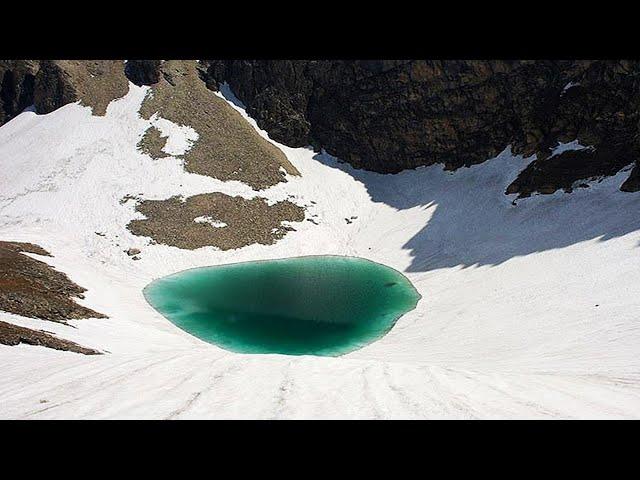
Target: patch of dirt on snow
[
  {"x": 31, "y": 288},
  {"x": 152, "y": 143},
  {"x": 175, "y": 221},
  {"x": 228, "y": 148},
  {"x": 13, "y": 335}
]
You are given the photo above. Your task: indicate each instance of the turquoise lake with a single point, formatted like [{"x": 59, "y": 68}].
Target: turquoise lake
[{"x": 319, "y": 305}]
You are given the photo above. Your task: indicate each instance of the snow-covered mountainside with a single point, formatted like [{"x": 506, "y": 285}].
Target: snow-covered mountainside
[{"x": 529, "y": 307}]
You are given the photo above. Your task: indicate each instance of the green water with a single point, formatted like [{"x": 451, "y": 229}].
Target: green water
[{"x": 323, "y": 305}]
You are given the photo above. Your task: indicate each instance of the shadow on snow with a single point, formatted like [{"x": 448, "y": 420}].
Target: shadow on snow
[{"x": 470, "y": 221}]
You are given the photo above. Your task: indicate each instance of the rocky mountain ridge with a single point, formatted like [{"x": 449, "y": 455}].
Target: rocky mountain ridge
[{"x": 391, "y": 115}]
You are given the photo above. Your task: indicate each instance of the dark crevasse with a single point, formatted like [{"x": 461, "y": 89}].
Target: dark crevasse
[{"x": 320, "y": 305}]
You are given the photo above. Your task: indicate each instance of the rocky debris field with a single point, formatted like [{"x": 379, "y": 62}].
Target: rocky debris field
[
  {"x": 31, "y": 288},
  {"x": 14, "y": 335},
  {"x": 215, "y": 219}
]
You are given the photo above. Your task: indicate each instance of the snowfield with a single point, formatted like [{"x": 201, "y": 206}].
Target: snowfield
[{"x": 528, "y": 310}]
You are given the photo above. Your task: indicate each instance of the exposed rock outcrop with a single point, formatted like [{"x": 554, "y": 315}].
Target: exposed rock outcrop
[
  {"x": 391, "y": 115},
  {"x": 14, "y": 335},
  {"x": 143, "y": 72},
  {"x": 31, "y": 288},
  {"x": 632, "y": 184},
  {"x": 53, "y": 88},
  {"x": 17, "y": 79},
  {"x": 51, "y": 84},
  {"x": 547, "y": 175},
  {"x": 95, "y": 83}
]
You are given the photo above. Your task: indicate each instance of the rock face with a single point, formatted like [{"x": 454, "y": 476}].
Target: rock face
[
  {"x": 391, "y": 115},
  {"x": 17, "y": 79},
  {"x": 632, "y": 184},
  {"x": 152, "y": 143},
  {"x": 53, "y": 88},
  {"x": 548, "y": 175},
  {"x": 143, "y": 72}
]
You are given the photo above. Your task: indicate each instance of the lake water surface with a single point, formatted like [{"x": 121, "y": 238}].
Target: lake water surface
[{"x": 319, "y": 305}]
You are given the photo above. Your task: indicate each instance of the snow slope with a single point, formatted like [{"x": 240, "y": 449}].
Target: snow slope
[{"x": 528, "y": 310}]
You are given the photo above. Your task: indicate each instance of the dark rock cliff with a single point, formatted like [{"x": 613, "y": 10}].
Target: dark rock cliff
[
  {"x": 143, "y": 72},
  {"x": 53, "y": 88},
  {"x": 391, "y": 115},
  {"x": 17, "y": 80},
  {"x": 632, "y": 184}
]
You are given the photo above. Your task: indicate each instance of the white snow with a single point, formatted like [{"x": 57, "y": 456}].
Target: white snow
[
  {"x": 180, "y": 138},
  {"x": 568, "y": 86},
  {"x": 507, "y": 327},
  {"x": 211, "y": 221},
  {"x": 565, "y": 147}
]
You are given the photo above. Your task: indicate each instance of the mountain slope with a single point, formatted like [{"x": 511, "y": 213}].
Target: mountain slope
[
  {"x": 389, "y": 115},
  {"x": 528, "y": 310}
]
